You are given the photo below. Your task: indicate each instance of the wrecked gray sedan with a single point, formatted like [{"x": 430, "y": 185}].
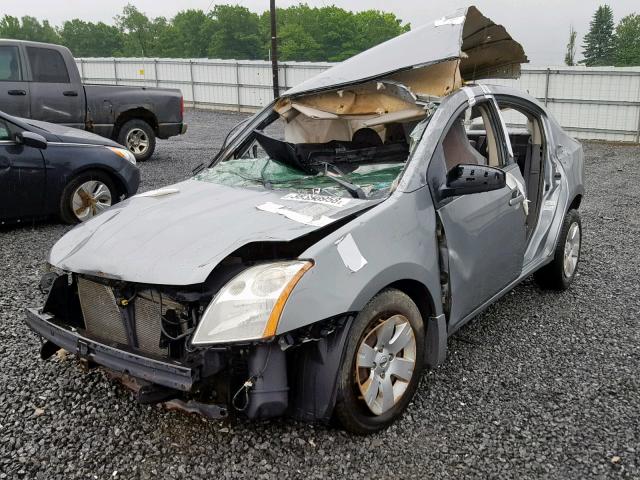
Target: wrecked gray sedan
[{"x": 341, "y": 235}]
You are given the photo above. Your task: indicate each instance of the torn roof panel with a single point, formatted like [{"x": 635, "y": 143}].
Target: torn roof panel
[{"x": 484, "y": 48}]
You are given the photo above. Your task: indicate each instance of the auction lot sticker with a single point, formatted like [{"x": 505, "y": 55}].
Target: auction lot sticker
[{"x": 313, "y": 198}]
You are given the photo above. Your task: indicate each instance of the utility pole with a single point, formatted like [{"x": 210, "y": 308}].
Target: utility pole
[{"x": 274, "y": 50}]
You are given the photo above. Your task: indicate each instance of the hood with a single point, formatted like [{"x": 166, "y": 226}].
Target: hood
[
  {"x": 483, "y": 49},
  {"x": 177, "y": 235},
  {"x": 69, "y": 134}
]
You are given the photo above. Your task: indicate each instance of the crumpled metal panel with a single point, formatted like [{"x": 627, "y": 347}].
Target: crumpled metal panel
[{"x": 486, "y": 50}]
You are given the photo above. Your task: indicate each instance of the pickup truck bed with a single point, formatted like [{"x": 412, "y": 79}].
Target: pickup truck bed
[{"x": 41, "y": 81}]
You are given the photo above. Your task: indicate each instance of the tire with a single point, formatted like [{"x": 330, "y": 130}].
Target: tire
[
  {"x": 138, "y": 137},
  {"x": 99, "y": 185},
  {"x": 554, "y": 276},
  {"x": 352, "y": 411}
]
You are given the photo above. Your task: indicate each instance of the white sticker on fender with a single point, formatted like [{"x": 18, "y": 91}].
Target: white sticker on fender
[
  {"x": 313, "y": 198},
  {"x": 350, "y": 253}
]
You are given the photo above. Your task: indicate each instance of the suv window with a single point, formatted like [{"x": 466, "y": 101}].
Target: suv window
[
  {"x": 47, "y": 65},
  {"x": 10, "y": 64},
  {"x": 5, "y": 133}
]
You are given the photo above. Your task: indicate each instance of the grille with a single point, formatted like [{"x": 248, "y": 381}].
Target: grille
[
  {"x": 102, "y": 316},
  {"x": 104, "y": 320},
  {"x": 148, "y": 321}
]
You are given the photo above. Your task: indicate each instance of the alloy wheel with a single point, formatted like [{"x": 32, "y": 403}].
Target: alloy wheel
[
  {"x": 571, "y": 250},
  {"x": 385, "y": 363},
  {"x": 89, "y": 199},
  {"x": 137, "y": 141}
]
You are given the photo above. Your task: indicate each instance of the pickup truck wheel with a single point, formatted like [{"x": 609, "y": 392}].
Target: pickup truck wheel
[
  {"x": 138, "y": 136},
  {"x": 382, "y": 364},
  {"x": 86, "y": 195},
  {"x": 559, "y": 274}
]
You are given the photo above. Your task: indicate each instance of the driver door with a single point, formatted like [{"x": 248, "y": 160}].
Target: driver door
[
  {"x": 485, "y": 233},
  {"x": 22, "y": 177}
]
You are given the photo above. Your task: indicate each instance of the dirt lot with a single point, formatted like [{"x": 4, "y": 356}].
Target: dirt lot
[{"x": 541, "y": 385}]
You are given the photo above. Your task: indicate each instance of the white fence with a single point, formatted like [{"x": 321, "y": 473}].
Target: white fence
[{"x": 592, "y": 103}]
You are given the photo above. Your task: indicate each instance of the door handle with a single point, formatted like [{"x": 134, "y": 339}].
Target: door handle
[
  {"x": 516, "y": 201},
  {"x": 17, "y": 92},
  {"x": 70, "y": 93}
]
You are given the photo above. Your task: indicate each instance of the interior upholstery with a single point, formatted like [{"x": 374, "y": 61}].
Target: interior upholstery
[{"x": 458, "y": 149}]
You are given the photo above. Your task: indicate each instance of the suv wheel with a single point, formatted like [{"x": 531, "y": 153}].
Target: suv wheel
[{"x": 139, "y": 138}]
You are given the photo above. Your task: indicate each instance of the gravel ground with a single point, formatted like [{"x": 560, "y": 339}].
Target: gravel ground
[{"x": 541, "y": 385}]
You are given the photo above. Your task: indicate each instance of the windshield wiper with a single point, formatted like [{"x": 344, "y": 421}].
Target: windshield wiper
[{"x": 354, "y": 190}]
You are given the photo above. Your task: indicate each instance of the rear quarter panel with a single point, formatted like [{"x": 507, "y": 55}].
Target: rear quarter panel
[{"x": 105, "y": 103}]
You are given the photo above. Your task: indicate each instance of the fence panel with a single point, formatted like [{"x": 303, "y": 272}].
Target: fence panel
[{"x": 592, "y": 103}]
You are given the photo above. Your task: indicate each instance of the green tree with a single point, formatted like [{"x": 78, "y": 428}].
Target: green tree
[
  {"x": 570, "y": 56},
  {"x": 236, "y": 33},
  {"x": 599, "y": 42},
  {"x": 10, "y": 28},
  {"x": 28, "y": 28},
  {"x": 627, "y": 51},
  {"x": 141, "y": 34},
  {"x": 86, "y": 39},
  {"x": 191, "y": 34}
]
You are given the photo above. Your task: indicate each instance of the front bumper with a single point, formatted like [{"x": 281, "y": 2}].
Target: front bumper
[
  {"x": 169, "y": 374},
  {"x": 166, "y": 130}
]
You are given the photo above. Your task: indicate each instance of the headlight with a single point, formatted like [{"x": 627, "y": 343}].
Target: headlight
[
  {"x": 124, "y": 153},
  {"x": 249, "y": 306}
]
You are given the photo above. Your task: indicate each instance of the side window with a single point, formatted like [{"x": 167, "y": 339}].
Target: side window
[
  {"x": 474, "y": 139},
  {"x": 5, "y": 132},
  {"x": 47, "y": 65},
  {"x": 10, "y": 64}
]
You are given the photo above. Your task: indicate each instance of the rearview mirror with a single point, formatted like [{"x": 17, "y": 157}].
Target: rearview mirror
[
  {"x": 465, "y": 179},
  {"x": 31, "y": 139}
]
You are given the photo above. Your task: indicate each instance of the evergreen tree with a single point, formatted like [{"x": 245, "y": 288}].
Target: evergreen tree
[{"x": 599, "y": 43}]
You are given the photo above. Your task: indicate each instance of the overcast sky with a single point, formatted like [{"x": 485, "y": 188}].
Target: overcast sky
[{"x": 542, "y": 26}]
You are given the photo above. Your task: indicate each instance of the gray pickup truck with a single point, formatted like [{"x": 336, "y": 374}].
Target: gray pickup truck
[{"x": 41, "y": 81}]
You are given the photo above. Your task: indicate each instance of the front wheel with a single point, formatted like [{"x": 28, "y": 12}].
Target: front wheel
[
  {"x": 559, "y": 274},
  {"x": 382, "y": 364},
  {"x": 86, "y": 195},
  {"x": 139, "y": 138}
]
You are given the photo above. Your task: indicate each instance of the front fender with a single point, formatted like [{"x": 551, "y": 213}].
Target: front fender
[{"x": 398, "y": 242}]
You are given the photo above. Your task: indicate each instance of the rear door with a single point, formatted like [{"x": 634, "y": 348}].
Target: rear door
[
  {"x": 485, "y": 232},
  {"x": 14, "y": 89},
  {"x": 57, "y": 95},
  {"x": 22, "y": 177}
]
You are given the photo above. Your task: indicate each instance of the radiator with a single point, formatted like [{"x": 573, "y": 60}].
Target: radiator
[
  {"x": 102, "y": 317},
  {"x": 104, "y": 320}
]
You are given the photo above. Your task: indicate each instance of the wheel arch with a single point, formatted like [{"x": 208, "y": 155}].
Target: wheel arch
[
  {"x": 113, "y": 175},
  {"x": 575, "y": 203},
  {"x": 138, "y": 113}
]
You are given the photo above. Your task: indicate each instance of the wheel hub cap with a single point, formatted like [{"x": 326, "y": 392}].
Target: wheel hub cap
[
  {"x": 385, "y": 362},
  {"x": 89, "y": 199},
  {"x": 137, "y": 141},
  {"x": 571, "y": 250}
]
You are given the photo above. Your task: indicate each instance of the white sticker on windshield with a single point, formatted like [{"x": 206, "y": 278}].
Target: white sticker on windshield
[
  {"x": 350, "y": 253},
  {"x": 313, "y": 198},
  {"x": 295, "y": 216}
]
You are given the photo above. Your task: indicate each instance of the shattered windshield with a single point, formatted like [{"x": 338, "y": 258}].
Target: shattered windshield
[
  {"x": 264, "y": 172},
  {"x": 341, "y": 169}
]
